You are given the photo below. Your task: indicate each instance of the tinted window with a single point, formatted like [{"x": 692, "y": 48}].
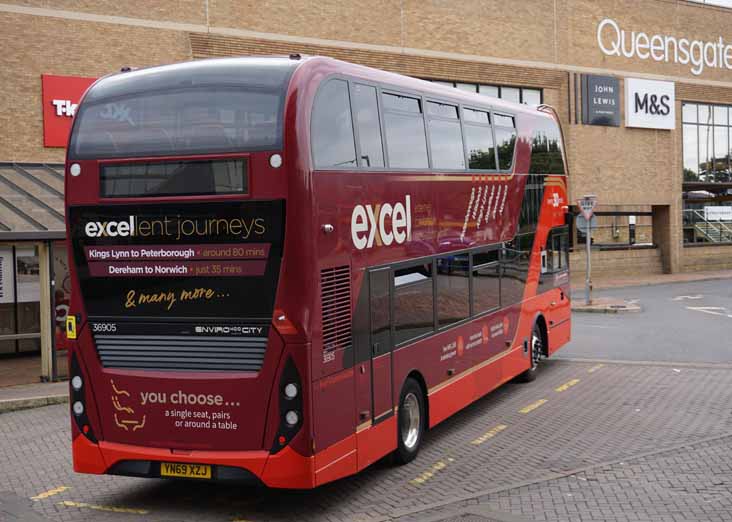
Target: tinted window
[
  {"x": 506, "y": 141},
  {"x": 557, "y": 247},
  {"x": 502, "y": 120},
  {"x": 413, "y": 312},
  {"x": 546, "y": 150},
  {"x": 406, "y": 142},
  {"x": 515, "y": 262},
  {"x": 479, "y": 141},
  {"x": 446, "y": 142},
  {"x": 366, "y": 114},
  {"x": 486, "y": 281},
  {"x": 474, "y": 116},
  {"x": 486, "y": 288},
  {"x": 531, "y": 204},
  {"x": 442, "y": 110},
  {"x": 453, "y": 294},
  {"x": 396, "y": 102},
  {"x": 196, "y": 108},
  {"x": 331, "y": 127},
  {"x": 173, "y": 178},
  {"x": 380, "y": 306}
]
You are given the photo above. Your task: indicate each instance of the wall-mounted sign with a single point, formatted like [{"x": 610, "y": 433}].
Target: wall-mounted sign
[
  {"x": 698, "y": 54},
  {"x": 60, "y": 95},
  {"x": 720, "y": 213},
  {"x": 600, "y": 100},
  {"x": 650, "y": 104}
]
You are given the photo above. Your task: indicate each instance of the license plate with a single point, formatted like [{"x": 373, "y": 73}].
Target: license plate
[{"x": 177, "y": 469}]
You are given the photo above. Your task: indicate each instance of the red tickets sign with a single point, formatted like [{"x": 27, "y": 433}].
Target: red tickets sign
[{"x": 60, "y": 95}]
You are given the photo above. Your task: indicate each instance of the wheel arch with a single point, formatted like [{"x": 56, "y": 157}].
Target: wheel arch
[{"x": 540, "y": 321}]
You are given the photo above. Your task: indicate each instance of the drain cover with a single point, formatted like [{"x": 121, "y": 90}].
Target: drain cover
[{"x": 468, "y": 517}]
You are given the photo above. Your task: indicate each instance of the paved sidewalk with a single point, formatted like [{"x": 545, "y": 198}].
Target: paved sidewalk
[
  {"x": 601, "y": 283},
  {"x": 33, "y": 395}
]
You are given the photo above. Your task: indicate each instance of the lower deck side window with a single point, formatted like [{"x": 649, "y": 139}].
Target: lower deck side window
[
  {"x": 413, "y": 303},
  {"x": 453, "y": 289}
]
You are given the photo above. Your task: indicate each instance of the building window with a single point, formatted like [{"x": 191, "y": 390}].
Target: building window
[
  {"x": 617, "y": 227},
  {"x": 524, "y": 95},
  {"x": 707, "y": 183}
]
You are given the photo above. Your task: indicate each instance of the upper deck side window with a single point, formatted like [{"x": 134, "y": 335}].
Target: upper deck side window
[
  {"x": 406, "y": 142},
  {"x": 479, "y": 139},
  {"x": 446, "y": 140},
  {"x": 505, "y": 129},
  {"x": 546, "y": 149},
  {"x": 331, "y": 127},
  {"x": 366, "y": 118},
  {"x": 404, "y": 130}
]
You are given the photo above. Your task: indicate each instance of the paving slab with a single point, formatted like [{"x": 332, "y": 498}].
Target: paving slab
[
  {"x": 13, "y": 398},
  {"x": 618, "y": 426}
]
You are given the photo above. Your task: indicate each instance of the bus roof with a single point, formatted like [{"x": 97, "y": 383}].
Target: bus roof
[
  {"x": 226, "y": 69},
  {"x": 272, "y": 72}
]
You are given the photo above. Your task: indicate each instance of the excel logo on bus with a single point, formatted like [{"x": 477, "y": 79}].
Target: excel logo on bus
[
  {"x": 381, "y": 224},
  {"x": 110, "y": 228}
]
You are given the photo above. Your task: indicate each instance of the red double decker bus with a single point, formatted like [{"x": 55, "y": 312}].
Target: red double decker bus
[{"x": 288, "y": 268}]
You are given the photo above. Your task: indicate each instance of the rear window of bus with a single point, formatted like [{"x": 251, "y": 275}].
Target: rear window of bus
[{"x": 215, "y": 107}]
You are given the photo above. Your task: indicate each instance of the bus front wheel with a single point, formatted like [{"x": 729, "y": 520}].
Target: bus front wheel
[{"x": 410, "y": 422}]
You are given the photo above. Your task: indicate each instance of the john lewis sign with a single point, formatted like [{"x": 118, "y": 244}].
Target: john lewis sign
[
  {"x": 650, "y": 104},
  {"x": 600, "y": 100}
]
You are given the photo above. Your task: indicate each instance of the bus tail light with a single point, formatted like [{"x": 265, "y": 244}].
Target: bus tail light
[
  {"x": 290, "y": 401},
  {"x": 77, "y": 400}
]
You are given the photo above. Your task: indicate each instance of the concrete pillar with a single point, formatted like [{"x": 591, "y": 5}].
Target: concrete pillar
[
  {"x": 666, "y": 236},
  {"x": 46, "y": 306}
]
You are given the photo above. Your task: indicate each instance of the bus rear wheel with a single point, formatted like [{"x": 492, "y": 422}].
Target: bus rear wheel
[
  {"x": 410, "y": 422},
  {"x": 536, "y": 349}
]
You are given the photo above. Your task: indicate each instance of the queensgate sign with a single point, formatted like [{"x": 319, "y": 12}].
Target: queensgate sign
[{"x": 698, "y": 54}]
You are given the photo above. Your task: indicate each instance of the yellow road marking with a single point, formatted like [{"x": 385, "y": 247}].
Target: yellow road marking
[
  {"x": 50, "y": 493},
  {"x": 531, "y": 407},
  {"x": 489, "y": 434},
  {"x": 113, "y": 509},
  {"x": 567, "y": 385},
  {"x": 426, "y": 475},
  {"x": 595, "y": 368}
]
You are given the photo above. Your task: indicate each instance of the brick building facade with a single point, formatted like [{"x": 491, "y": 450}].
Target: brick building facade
[{"x": 654, "y": 185}]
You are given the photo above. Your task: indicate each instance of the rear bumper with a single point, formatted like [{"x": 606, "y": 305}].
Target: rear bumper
[{"x": 285, "y": 469}]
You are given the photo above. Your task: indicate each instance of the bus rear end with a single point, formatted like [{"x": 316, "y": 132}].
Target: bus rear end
[{"x": 176, "y": 208}]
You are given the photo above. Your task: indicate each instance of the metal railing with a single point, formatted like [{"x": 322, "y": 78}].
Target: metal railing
[{"x": 704, "y": 230}]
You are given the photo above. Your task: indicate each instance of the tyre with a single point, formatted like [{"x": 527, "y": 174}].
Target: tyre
[
  {"x": 410, "y": 422},
  {"x": 536, "y": 350}
]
